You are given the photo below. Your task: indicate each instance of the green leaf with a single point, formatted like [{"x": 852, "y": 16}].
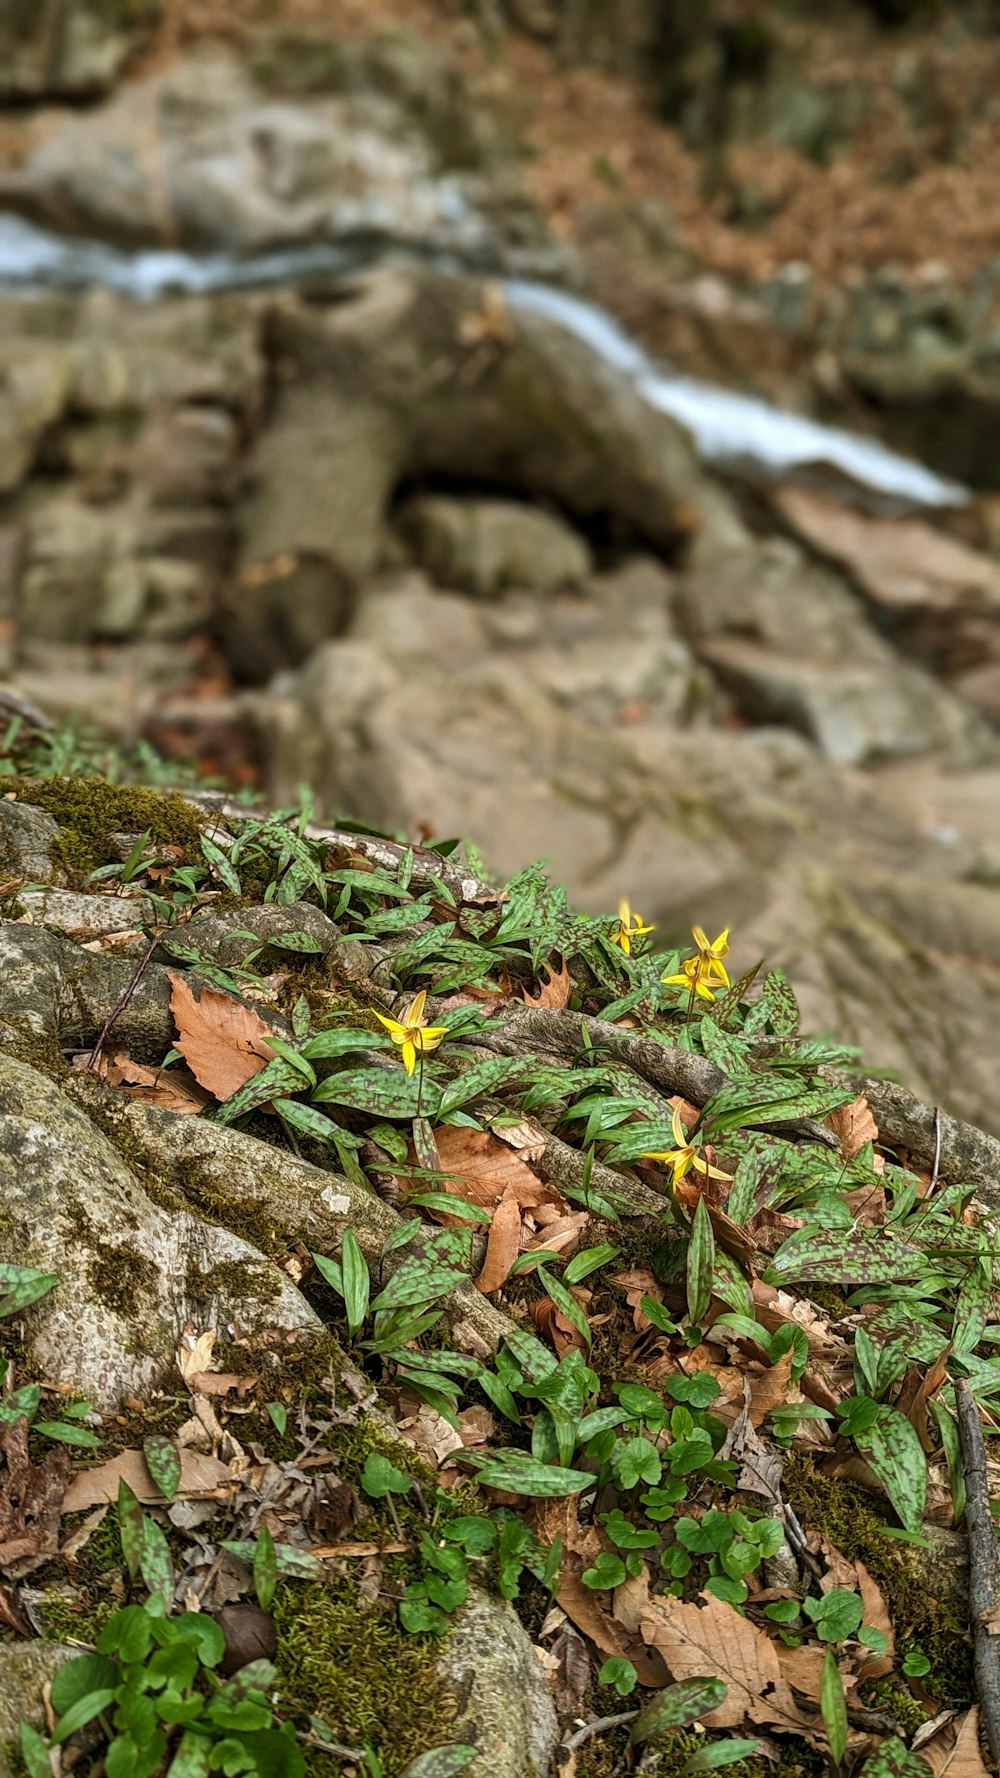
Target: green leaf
[
  {"x": 131, "y": 1528},
  {"x": 833, "y": 1707},
  {"x": 80, "y": 1677},
  {"x": 303, "y": 942},
  {"x": 292, "y": 1564},
  {"x": 426, "y": 1276},
  {"x": 356, "y": 1282},
  {"x": 636, "y": 1460},
  {"x": 520, "y": 1473},
  {"x": 567, "y": 1305},
  {"x": 483, "y": 1077},
  {"x": 441, "y": 1762},
  {"x": 163, "y": 1462},
  {"x": 451, "y": 1203},
  {"x": 191, "y": 1758},
  {"x": 607, "y": 1571},
  {"x": 619, "y": 1672},
  {"x": 381, "y": 1092},
  {"x": 155, "y": 1564},
  {"x": 700, "y": 1264},
  {"x": 836, "y": 1614},
  {"x": 380, "y": 1477},
  {"x": 589, "y": 1259},
  {"x": 896, "y": 1455},
  {"x": 83, "y": 1711},
  {"x": 22, "y": 1286},
  {"x": 278, "y": 1414},
  {"x": 65, "y": 1433},
  {"x": 743, "y": 1193},
  {"x": 265, "y": 1569},
  {"x": 35, "y": 1753},
  {"x": 893, "y": 1759},
  {"x": 720, "y": 1753},
  {"x": 677, "y": 1705},
  {"x": 275, "y": 1079},
  {"x": 850, "y": 1257},
  {"x": 341, "y": 1040}
]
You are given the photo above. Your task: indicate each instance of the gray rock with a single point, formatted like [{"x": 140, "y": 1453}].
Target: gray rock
[
  {"x": 483, "y": 546},
  {"x": 52, "y": 988},
  {"x": 86, "y": 916},
  {"x": 132, "y": 1274},
  {"x": 47, "y": 51},
  {"x": 230, "y": 937},
  {"x": 25, "y": 1669},
  {"x": 407, "y": 620},
  {"x": 857, "y": 713},
  {"x": 29, "y": 843},
  {"x": 771, "y": 594},
  {"x": 505, "y": 1706}
]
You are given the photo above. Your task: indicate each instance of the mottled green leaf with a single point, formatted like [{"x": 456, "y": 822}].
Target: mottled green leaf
[
  {"x": 677, "y": 1705},
  {"x": 896, "y": 1455},
  {"x": 163, "y": 1462}
]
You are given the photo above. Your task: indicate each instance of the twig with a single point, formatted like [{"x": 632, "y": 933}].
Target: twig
[
  {"x": 117, "y": 1010},
  {"x": 982, "y": 1564},
  {"x": 965, "y": 1153},
  {"x": 596, "y": 1728},
  {"x": 937, "y": 1150},
  {"x": 332, "y": 1747}
]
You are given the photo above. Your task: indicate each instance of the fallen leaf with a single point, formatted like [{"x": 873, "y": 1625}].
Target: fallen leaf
[
  {"x": 502, "y": 1246},
  {"x": 201, "y": 1477},
  {"x": 554, "y": 989},
  {"x": 714, "y": 1638},
  {"x": 195, "y": 1355},
  {"x": 220, "y": 1383},
  {"x": 877, "y": 1615},
  {"x": 223, "y": 1042},
  {"x": 853, "y": 1125},
  {"x": 953, "y": 1752},
  {"x": 31, "y": 1498},
  {"x": 556, "y": 1326},
  {"x": 483, "y": 1170},
  {"x": 582, "y": 1605},
  {"x": 77, "y": 1539},
  {"x": 174, "y": 1089},
  {"x": 525, "y": 1137},
  {"x": 568, "y": 1666}
]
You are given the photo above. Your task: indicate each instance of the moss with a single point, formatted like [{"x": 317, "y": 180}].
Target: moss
[
  {"x": 90, "y": 810},
  {"x": 119, "y": 1278},
  {"x": 235, "y": 1278},
  {"x": 851, "y": 1520},
  {"x": 348, "y": 1661}
]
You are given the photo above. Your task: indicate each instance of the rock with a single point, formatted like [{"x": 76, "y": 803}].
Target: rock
[
  {"x": 857, "y": 713},
  {"x": 407, "y": 620},
  {"x": 34, "y": 387},
  {"x": 941, "y": 598},
  {"x": 483, "y": 546},
  {"x": 85, "y": 916},
  {"x": 25, "y": 1670},
  {"x": 422, "y": 373},
  {"x": 233, "y": 936},
  {"x": 47, "y": 50},
  {"x": 132, "y": 1274},
  {"x": 771, "y": 594},
  {"x": 198, "y": 155},
  {"x": 54, "y": 989},
  {"x": 505, "y": 1707},
  {"x": 29, "y": 843}
]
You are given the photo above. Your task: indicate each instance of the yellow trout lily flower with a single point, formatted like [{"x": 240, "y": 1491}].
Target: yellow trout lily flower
[
  {"x": 685, "y": 1156},
  {"x": 703, "y": 972},
  {"x": 411, "y": 1033},
  {"x": 629, "y": 926}
]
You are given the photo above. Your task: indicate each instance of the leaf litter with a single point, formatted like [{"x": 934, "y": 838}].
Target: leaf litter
[{"x": 662, "y": 1400}]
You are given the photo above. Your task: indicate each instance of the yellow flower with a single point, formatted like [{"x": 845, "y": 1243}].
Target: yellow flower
[
  {"x": 629, "y": 926},
  {"x": 703, "y": 972},
  {"x": 685, "y": 1155},
  {"x": 411, "y": 1033}
]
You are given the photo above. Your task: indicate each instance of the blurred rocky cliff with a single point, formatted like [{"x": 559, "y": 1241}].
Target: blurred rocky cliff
[{"x": 374, "y": 523}]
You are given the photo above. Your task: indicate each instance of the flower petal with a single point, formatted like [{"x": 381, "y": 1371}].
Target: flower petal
[
  {"x": 396, "y": 1031},
  {"x": 409, "y": 1054},
  {"x": 414, "y": 1013}
]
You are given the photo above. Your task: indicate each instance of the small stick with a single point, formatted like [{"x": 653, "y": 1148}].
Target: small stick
[
  {"x": 116, "y": 1011},
  {"x": 982, "y": 1543},
  {"x": 937, "y": 1150},
  {"x": 596, "y": 1728}
]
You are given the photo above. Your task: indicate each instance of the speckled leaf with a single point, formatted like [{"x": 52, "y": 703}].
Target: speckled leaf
[
  {"x": 131, "y": 1528},
  {"x": 293, "y": 1564},
  {"x": 893, "y": 1759},
  {"x": 725, "y": 1050},
  {"x": 700, "y": 1264},
  {"x": 265, "y": 1569},
  {"x": 521, "y": 1473},
  {"x": 380, "y": 1092},
  {"x": 833, "y": 1705},
  {"x": 35, "y": 1753},
  {"x": 424, "y": 1277},
  {"x": 155, "y": 1563},
  {"x": 896, "y": 1455},
  {"x": 844, "y": 1256},
  {"x": 276, "y": 1078},
  {"x": 440, "y": 1762},
  {"x": 676, "y": 1706},
  {"x": 163, "y": 1462},
  {"x": 483, "y": 1077},
  {"x": 21, "y": 1286}
]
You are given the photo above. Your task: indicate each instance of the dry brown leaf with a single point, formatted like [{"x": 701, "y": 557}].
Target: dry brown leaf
[
  {"x": 636, "y": 1284},
  {"x": 525, "y": 1137},
  {"x": 770, "y": 1389},
  {"x": 582, "y": 1605},
  {"x": 174, "y": 1089},
  {"x": 554, "y": 989},
  {"x": 194, "y": 1355},
  {"x": 853, "y": 1125},
  {"x": 778, "y": 1308},
  {"x": 562, "y": 1235},
  {"x": 551, "y": 1322},
  {"x": 714, "y": 1638},
  {"x": 202, "y": 1478},
  {"x": 484, "y": 1170},
  {"x": 550, "y": 1519},
  {"x": 223, "y": 1042},
  {"x": 568, "y": 1666},
  {"x": 876, "y": 1614},
  {"x": 502, "y": 1246},
  {"x": 31, "y": 1500},
  {"x": 631, "y": 1599},
  {"x": 220, "y": 1383},
  {"x": 954, "y": 1751}
]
